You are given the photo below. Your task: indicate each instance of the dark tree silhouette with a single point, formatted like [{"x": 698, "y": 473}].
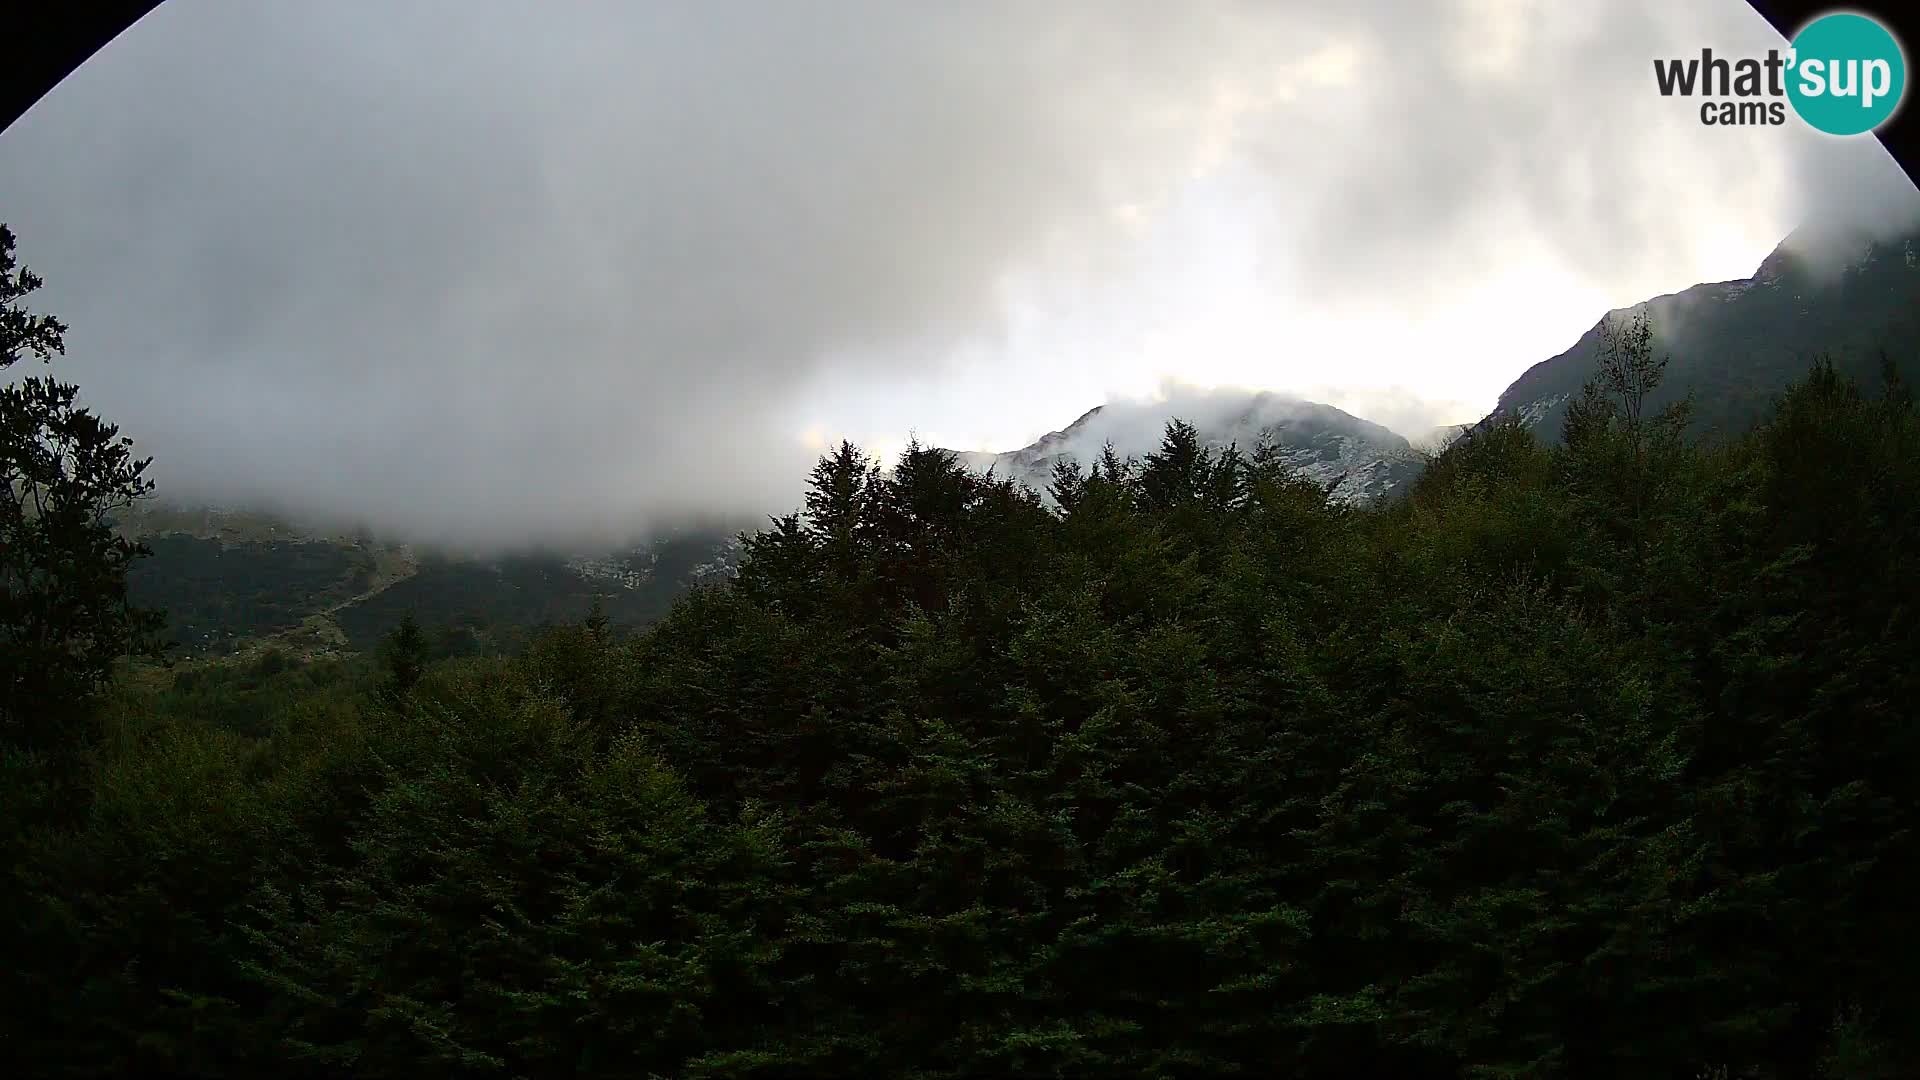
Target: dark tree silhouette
[{"x": 64, "y": 472}]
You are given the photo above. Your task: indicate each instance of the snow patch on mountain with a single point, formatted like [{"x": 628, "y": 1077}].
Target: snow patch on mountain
[
  {"x": 724, "y": 566},
  {"x": 631, "y": 571},
  {"x": 1533, "y": 412}
]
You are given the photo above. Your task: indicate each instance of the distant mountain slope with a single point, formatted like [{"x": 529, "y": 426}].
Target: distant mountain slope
[
  {"x": 1325, "y": 444},
  {"x": 229, "y": 579},
  {"x": 496, "y": 601},
  {"x": 1737, "y": 344}
]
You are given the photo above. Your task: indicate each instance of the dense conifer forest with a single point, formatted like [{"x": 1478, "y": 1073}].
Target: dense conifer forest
[{"x": 1593, "y": 759}]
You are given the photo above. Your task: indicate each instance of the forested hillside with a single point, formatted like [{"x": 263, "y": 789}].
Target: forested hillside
[{"x": 1591, "y": 759}]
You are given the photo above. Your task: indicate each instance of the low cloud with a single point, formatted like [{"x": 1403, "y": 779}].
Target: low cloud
[{"x": 512, "y": 273}]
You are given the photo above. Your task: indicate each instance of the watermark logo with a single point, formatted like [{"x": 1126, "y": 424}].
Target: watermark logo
[
  {"x": 1844, "y": 74},
  {"x": 1851, "y": 74}
]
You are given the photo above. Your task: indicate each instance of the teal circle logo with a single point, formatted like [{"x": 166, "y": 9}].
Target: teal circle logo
[{"x": 1848, "y": 74}]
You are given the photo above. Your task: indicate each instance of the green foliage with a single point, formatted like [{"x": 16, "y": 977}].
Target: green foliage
[
  {"x": 250, "y": 698},
  {"x": 1588, "y": 760},
  {"x": 404, "y": 654},
  {"x": 516, "y": 898}
]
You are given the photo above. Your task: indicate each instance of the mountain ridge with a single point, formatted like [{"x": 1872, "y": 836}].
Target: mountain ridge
[
  {"x": 1824, "y": 290},
  {"x": 1361, "y": 461}
]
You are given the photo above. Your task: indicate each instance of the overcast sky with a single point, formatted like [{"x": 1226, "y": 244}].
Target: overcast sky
[{"x": 495, "y": 270}]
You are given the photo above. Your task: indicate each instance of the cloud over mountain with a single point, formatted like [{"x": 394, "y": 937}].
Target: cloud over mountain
[{"x": 498, "y": 271}]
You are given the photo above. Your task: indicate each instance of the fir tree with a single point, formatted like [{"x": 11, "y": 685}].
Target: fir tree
[
  {"x": 65, "y": 616},
  {"x": 404, "y": 655}
]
